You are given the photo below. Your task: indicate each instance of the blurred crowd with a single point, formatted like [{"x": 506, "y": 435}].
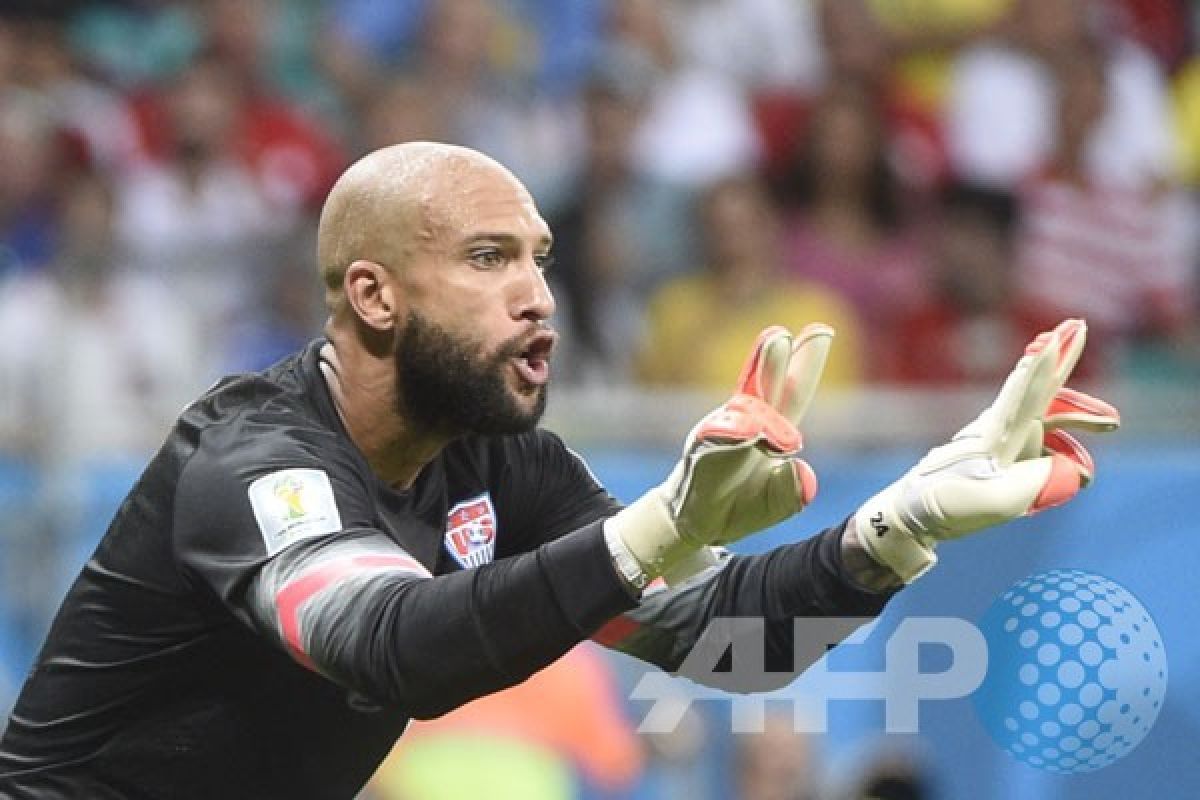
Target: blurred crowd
[{"x": 936, "y": 178}]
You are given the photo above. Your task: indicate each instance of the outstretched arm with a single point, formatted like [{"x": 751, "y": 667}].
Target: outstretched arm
[{"x": 807, "y": 579}]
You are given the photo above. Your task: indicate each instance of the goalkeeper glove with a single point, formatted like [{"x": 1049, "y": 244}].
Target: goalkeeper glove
[
  {"x": 739, "y": 472},
  {"x": 1015, "y": 459}
]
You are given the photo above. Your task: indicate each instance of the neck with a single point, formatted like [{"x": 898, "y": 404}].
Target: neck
[{"x": 363, "y": 388}]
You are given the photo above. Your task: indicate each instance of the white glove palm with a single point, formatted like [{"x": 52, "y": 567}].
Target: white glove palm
[
  {"x": 739, "y": 472},
  {"x": 1015, "y": 459}
]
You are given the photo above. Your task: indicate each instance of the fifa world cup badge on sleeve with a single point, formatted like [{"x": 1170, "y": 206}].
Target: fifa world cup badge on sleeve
[
  {"x": 471, "y": 531},
  {"x": 293, "y": 504}
]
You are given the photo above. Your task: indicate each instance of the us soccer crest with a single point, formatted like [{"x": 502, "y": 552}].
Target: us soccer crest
[{"x": 471, "y": 531}]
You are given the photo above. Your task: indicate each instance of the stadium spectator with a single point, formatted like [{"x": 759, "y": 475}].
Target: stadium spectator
[
  {"x": 197, "y": 216},
  {"x": 698, "y": 125},
  {"x": 1187, "y": 120},
  {"x": 860, "y": 48},
  {"x": 287, "y": 307},
  {"x": 621, "y": 233},
  {"x": 500, "y": 77},
  {"x": 53, "y": 124},
  {"x": 696, "y": 323},
  {"x": 548, "y": 44},
  {"x": 105, "y": 356},
  {"x": 138, "y": 45},
  {"x": 1089, "y": 245},
  {"x": 774, "y": 764},
  {"x": 971, "y": 319},
  {"x": 133, "y": 45},
  {"x": 762, "y": 44},
  {"x": 1001, "y": 109},
  {"x": 29, "y": 162},
  {"x": 291, "y": 156},
  {"x": 848, "y": 227},
  {"x": 405, "y": 109},
  {"x": 485, "y": 96},
  {"x": 855, "y": 47},
  {"x": 99, "y": 118},
  {"x": 1164, "y": 27}
]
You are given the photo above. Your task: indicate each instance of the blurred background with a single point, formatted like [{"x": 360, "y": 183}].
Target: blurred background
[{"x": 938, "y": 179}]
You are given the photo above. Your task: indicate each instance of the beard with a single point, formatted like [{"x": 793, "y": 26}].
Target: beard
[{"x": 447, "y": 383}]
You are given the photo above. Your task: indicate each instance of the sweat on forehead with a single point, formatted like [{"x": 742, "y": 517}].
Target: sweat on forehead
[{"x": 389, "y": 198}]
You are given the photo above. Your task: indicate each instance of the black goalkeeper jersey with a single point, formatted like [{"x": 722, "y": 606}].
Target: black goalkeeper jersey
[{"x": 264, "y": 615}]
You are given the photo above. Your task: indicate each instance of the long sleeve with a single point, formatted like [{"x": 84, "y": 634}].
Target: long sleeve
[
  {"x": 359, "y": 611},
  {"x": 285, "y": 534},
  {"x": 804, "y": 579}
]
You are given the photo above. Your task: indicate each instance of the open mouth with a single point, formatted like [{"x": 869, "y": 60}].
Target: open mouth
[{"x": 533, "y": 364}]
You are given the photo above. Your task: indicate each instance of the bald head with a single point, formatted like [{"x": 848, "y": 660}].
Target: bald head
[{"x": 390, "y": 201}]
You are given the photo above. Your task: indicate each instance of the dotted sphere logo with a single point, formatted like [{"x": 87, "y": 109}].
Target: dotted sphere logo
[{"x": 1077, "y": 671}]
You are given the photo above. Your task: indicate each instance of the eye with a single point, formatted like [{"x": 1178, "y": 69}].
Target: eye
[
  {"x": 487, "y": 258},
  {"x": 544, "y": 261}
]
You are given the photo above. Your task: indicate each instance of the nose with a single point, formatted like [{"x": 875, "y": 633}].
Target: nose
[{"x": 536, "y": 301}]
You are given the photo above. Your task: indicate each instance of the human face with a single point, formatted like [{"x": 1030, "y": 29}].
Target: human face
[
  {"x": 845, "y": 139},
  {"x": 475, "y": 306}
]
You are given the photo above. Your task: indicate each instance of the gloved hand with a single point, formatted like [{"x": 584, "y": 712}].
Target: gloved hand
[
  {"x": 1016, "y": 459},
  {"x": 739, "y": 472}
]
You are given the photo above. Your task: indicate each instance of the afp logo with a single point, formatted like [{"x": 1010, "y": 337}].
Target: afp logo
[
  {"x": 471, "y": 531},
  {"x": 1077, "y": 672},
  {"x": 1067, "y": 671}
]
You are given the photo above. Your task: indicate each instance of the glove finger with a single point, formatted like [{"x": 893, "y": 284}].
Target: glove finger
[
  {"x": 1026, "y": 487},
  {"x": 751, "y": 414},
  {"x": 805, "y": 480},
  {"x": 765, "y": 370},
  {"x": 1053, "y": 357},
  {"x": 746, "y": 419},
  {"x": 1032, "y": 437},
  {"x": 1063, "y": 443},
  {"x": 810, "y": 349},
  {"x": 1074, "y": 409},
  {"x": 994, "y": 425},
  {"x": 1070, "y": 337},
  {"x": 791, "y": 486},
  {"x": 1062, "y": 482},
  {"x": 1027, "y": 392}
]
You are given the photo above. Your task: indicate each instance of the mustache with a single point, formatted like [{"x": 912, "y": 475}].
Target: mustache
[{"x": 515, "y": 346}]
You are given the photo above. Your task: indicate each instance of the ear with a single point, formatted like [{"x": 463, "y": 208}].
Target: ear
[{"x": 371, "y": 294}]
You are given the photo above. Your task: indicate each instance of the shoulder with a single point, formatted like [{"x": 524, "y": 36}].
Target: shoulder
[
  {"x": 263, "y": 460},
  {"x": 265, "y": 420}
]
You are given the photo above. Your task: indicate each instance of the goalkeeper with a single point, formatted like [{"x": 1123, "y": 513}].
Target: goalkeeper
[{"x": 375, "y": 529}]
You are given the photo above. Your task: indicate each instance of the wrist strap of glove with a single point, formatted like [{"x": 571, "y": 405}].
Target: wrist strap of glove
[
  {"x": 646, "y": 532},
  {"x": 890, "y": 543}
]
